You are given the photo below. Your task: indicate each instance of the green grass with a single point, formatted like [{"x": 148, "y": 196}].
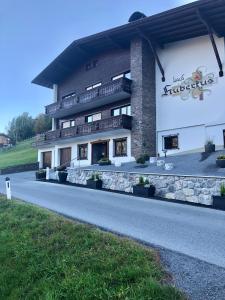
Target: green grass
[
  {"x": 22, "y": 153},
  {"x": 45, "y": 256}
]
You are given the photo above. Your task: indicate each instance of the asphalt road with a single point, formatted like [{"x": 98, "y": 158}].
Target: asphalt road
[
  {"x": 194, "y": 231},
  {"x": 190, "y": 240}
]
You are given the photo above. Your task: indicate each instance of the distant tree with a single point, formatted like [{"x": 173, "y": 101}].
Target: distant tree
[
  {"x": 42, "y": 123},
  {"x": 21, "y": 127}
]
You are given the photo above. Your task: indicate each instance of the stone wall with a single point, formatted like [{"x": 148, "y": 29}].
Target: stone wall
[{"x": 185, "y": 188}]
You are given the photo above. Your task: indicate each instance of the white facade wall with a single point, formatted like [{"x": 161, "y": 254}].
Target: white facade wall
[
  {"x": 189, "y": 116},
  {"x": 74, "y": 150}
]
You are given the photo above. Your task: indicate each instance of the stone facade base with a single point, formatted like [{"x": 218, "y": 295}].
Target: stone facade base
[{"x": 185, "y": 188}]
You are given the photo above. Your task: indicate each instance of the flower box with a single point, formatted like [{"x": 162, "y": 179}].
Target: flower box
[
  {"x": 209, "y": 148},
  {"x": 220, "y": 163},
  {"x": 94, "y": 184},
  {"x": 40, "y": 174},
  {"x": 143, "y": 191},
  {"x": 62, "y": 176},
  {"x": 219, "y": 202}
]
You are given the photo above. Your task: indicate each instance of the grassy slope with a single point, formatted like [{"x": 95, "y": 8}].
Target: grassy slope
[
  {"x": 22, "y": 153},
  {"x": 45, "y": 256}
]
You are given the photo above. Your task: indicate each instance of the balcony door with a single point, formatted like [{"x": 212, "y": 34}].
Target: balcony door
[
  {"x": 99, "y": 151},
  {"x": 65, "y": 156}
]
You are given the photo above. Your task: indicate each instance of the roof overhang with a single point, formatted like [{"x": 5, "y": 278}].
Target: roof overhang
[{"x": 170, "y": 26}]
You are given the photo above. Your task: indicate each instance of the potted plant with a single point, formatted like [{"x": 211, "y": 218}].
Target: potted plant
[
  {"x": 94, "y": 182},
  {"x": 144, "y": 188},
  {"x": 220, "y": 161},
  {"x": 40, "y": 174},
  {"x": 104, "y": 161},
  {"x": 210, "y": 146},
  {"x": 62, "y": 176},
  {"x": 141, "y": 161},
  {"x": 219, "y": 201}
]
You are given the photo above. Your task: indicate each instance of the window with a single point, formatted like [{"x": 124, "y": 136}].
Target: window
[
  {"x": 126, "y": 75},
  {"x": 69, "y": 96},
  {"x": 82, "y": 151},
  {"x": 91, "y": 87},
  {"x": 92, "y": 118},
  {"x": 171, "y": 142},
  {"x": 120, "y": 147},
  {"x": 123, "y": 110},
  {"x": 67, "y": 124}
]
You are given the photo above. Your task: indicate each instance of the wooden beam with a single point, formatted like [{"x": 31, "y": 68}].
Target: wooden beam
[{"x": 210, "y": 33}]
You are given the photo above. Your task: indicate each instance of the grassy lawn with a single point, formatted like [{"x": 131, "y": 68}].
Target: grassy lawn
[
  {"x": 22, "y": 153},
  {"x": 45, "y": 256}
]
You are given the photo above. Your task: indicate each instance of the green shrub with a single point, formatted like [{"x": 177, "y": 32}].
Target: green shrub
[
  {"x": 140, "y": 160},
  {"x": 146, "y": 157},
  {"x": 95, "y": 177},
  {"x": 141, "y": 180},
  {"x": 61, "y": 168},
  {"x": 221, "y": 157},
  {"x": 209, "y": 142},
  {"x": 222, "y": 190},
  {"x": 104, "y": 161},
  {"x": 147, "y": 182}
]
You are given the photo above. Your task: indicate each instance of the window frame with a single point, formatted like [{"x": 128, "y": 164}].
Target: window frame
[
  {"x": 70, "y": 121},
  {"x": 114, "y": 147},
  {"x": 78, "y": 151},
  {"x": 68, "y": 96},
  {"x": 120, "y": 75},
  {"x": 86, "y": 117},
  {"x": 93, "y": 86},
  {"x": 170, "y": 136},
  {"x": 120, "y": 109}
]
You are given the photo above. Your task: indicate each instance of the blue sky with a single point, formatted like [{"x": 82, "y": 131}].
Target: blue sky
[{"x": 34, "y": 32}]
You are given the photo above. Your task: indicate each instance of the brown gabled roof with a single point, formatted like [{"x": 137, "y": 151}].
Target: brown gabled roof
[{"x": 173, "y": 25}]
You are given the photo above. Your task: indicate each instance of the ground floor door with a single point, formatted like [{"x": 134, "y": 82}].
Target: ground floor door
[
  {"x": 99, "y": 151},
  {"x": 65, "y": 156},
  {"x": 47, "y": 159}
]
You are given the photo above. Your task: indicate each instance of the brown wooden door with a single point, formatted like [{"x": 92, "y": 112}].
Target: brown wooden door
[
  {"x": 65, "y": 156},
  {"x": 99, "y": 151},
  {"x": 47, "y": 159}
]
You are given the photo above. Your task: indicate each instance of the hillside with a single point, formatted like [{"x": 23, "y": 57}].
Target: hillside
[{"x": 22, "y": 153}]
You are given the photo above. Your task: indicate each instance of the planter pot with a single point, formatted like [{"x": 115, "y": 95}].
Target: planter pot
[
  {"x": 140, "y": 190},
  {"x": 210, "y": 148},
  {"x": 62, "y": 176},
  {"x": 220, "y": 163},
  {"x": 219, "y": 202},
  {"x": 40, "y": 176},
  {"x": 104, "y": 163},
  {"x": 94, "y": 184}
]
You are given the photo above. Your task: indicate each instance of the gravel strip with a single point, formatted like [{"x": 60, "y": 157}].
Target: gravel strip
[{"x": 199, "y": 280}]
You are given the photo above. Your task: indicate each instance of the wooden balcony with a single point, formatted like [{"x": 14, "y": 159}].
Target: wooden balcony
[
  {"x": 108, "y": 93},
  {"x": 118, "y": 122}
]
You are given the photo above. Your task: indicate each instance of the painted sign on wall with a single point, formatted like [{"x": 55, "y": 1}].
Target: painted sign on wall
[{"x": 196, "y": 86}]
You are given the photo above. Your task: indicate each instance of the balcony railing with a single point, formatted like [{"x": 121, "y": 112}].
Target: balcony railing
[
  {"x": 113, "y": 90},
  {"x": 118, "y": 122}
]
